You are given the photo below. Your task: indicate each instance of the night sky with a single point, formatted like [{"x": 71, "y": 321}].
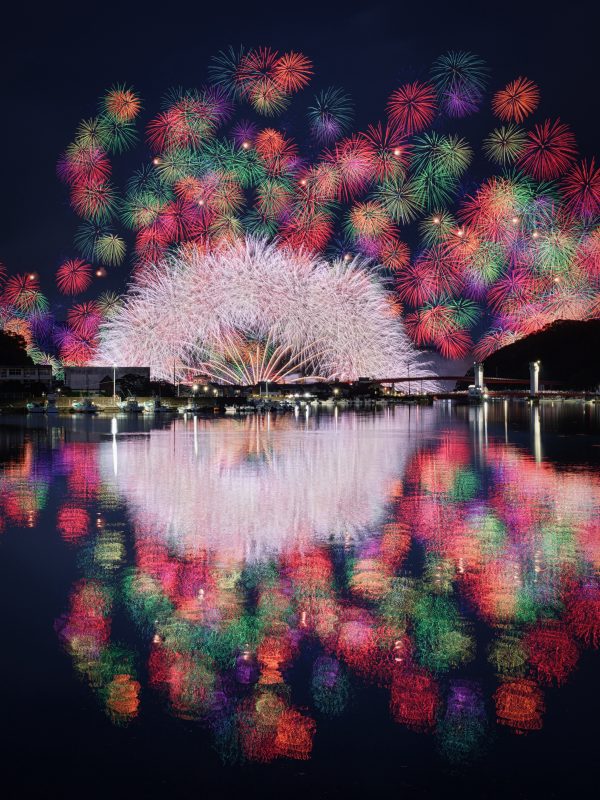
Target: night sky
[{"x": 60, "y": 60}]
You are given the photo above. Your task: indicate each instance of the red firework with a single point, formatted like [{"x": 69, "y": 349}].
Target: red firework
[
  {"x": 292, "y": 71},
  {"x": 185, "y": 124},
  {"x": 434, "y": 274},
  {"x": 93, "y": 199},
  {"x": 412, "y": 107},
  {"x": 454, "y": 344},
  {"x": 581, "y": 189},
  {"x": 150, "y": 245},
  {"x": 188, "y": 188},
  {"x": 415, "y": 287},
  {"x": 256, "y": 66},
  {"x": 80, "y": 165},
  {"x": 513, "y": 291},
  {"x": 395, "y": 255},
  {"x": 491, "y": 342},
  {"x": 517, "y": 100},
  {"x": 279, "y": 154},
  {"x": 176, "y": 221},
  {"x": 22, "y": 291},
  {"x": 588, "y": 255},
  {"x": 549, "y": 150},
  {"x": 84, "y": 319},
  {"x": 74, "y": 276},
  {"x": 389, "y": 151},
  {"x": 321, "y": 184},
  {"x": 3, "y": 273},
  {"x": 427, "y": 324},
  {"x": 311, "y": 231}
]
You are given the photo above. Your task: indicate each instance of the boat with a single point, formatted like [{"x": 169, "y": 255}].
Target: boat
[
  {"x": 476, "y": 394},
  {"x": 47, "y": 407},
  {"x": 155, "y": 406},
  {"x": 130, "y": 406},
  {"x": 84, "y": 406},
  {"x": 34, "y": 407},
  {"x": 192, "y": 408},
  {"x": 51, "y": 404}
]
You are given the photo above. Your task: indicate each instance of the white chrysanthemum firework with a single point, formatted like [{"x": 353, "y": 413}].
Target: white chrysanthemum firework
[{"x": 335, "y": 321}]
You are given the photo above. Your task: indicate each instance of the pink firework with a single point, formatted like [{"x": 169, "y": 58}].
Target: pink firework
[
  {"x": 74, "y": 348},
  {"x": 354, "y": 160}
]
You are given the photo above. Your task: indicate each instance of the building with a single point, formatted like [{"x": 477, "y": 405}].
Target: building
[
  {"x": 96, "y": 379},
  {"x": 26, "y": 375}
]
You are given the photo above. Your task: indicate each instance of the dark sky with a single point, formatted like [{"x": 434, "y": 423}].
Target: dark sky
[{"x": 58, "y": 60}]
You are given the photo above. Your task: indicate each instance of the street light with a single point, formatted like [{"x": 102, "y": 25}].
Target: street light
[{"x": 114, "y": 382}]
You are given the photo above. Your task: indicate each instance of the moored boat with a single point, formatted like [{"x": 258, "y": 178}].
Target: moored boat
[
  {"x": 34, "y": 407},
  {"x": 130, "y": 406},
  {"x": 84, "y": 406},
  {"x": 155, "y": 406}
]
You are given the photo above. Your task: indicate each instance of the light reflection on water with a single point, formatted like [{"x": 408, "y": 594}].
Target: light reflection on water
[{"x": 437, "y": 555}]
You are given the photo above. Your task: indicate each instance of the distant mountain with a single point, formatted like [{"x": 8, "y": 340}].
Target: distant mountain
[{"x": 568, "y": 351}]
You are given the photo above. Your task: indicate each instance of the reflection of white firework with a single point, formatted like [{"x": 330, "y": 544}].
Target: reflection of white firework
[
  {"x": 337, "y": 319},
  {"x": 247, "y": 489}
]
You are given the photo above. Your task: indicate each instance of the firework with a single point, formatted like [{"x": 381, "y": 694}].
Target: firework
[
  {"x": 121, "y": 104},
  {"x": 401, "y": 199},
  {"x": 256, "y": 289},
  {"x": 74, "y": 276},
  {"x": 23, "y": 292},
  {"x": 210, "y": 183},
  {"x": 460, "y": 79},
  {"x": 84, "y": 319},
  {"x": 110, "y": 249},
  {"x": 517, "y": 100},
  {"x": 581, "y": 188},
  {"x": 412, "y": 107},
  {"x": 330, "y": 115},
  {"x": 504, "y": 145},
  {"x": 549, "y": 150}
]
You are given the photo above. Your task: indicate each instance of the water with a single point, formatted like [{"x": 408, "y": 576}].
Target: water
[{"x": 333, "y": 604}]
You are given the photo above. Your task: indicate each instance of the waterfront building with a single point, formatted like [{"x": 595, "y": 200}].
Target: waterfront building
[{"x": 104, "y": 379}]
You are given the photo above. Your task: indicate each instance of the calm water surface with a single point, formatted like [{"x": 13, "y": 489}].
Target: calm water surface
[{"x": 401, "y": 602}]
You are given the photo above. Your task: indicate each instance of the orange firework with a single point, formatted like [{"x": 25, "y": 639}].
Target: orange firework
[
  {"x": 292, "y": 71},
  {"x": 122, "y": 104},
  {"x": 517, "y": 100}
]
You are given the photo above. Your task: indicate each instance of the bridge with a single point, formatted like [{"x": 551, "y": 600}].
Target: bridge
[{"x": 461, "y": 379}]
